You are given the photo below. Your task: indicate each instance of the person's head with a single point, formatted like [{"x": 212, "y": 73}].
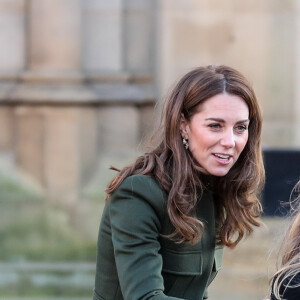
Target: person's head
[
  {"x": 289, "y": 251},
  {"x": 227, "y": 145},
  {"x": 215, "y": 110}
]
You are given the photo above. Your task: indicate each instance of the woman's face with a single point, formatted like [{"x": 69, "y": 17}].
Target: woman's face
[{"x": 218, "y": 132}]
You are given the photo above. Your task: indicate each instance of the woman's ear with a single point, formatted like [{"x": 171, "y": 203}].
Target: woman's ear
[{"x": 184, "y": 127}]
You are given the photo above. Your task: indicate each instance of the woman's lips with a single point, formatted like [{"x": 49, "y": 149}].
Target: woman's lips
[{"x": 223, "y": 159}]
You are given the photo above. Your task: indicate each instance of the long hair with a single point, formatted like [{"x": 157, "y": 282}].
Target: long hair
[
  {"x": 288, "y": 263},
  {"x": 178, "y": 172}
]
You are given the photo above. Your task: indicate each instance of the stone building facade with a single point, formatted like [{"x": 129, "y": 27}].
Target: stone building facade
[{"x": 79, "y": 78}]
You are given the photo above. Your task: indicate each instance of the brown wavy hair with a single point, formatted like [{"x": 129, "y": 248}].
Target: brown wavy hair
[
  {"x": 179, "y": 174},
  {"x": 288, "y": 258}
]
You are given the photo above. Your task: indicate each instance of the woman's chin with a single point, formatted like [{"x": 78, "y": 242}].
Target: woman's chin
[{"x": 218, "y": 172}]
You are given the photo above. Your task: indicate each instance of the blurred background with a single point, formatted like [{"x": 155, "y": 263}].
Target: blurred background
[{"x": 79, "y": 80}]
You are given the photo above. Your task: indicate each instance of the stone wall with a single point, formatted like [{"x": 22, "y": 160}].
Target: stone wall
[
  {"x": 79, "y": 78},
  {"x": 77, "y": 92},
  {"x": 259, "y": 38},
  {"x": 78, "y": 83}
]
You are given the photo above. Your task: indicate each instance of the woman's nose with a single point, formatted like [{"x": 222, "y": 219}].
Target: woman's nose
[{"x": 228, "y": 139}]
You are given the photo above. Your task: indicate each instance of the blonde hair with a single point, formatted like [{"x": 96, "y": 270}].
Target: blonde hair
[{"x": 288, "y": 263}]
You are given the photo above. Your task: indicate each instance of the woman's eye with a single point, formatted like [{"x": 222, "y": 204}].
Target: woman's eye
[
  {"x": 214, "y": 125},
  {"x": 241, "y": 128}
]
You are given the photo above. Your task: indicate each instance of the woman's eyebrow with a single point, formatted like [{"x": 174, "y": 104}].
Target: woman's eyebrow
[
  {"x": 243, "y": 121},
  {"x": 215, "y": 119},
  {"x": 223, "y": 121}
]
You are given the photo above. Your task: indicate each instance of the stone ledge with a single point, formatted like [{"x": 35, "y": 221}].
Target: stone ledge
[
  {"x": 39, "y": 76},
  {"x": 76, "y": 93}
]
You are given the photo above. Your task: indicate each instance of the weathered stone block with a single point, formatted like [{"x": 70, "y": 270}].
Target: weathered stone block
[
  {"x": 12, "y": 35},
  {"x": 119, "y": 136},
  {"x": 54, "y": 34},
  {"x": 61, "y": 153},
  {"x": 139, "y": 29},
  {"x": 29, "y": 142},
  {"x": 102, "y": 48},
  {"x": 118, "y": 129},
  {"x": 296, "y": 135},
  {"x": 277, "y": 134},
  {"x": 148, "y": 120},
  {"x": 88, "y": 142},
  {"x": 6, "y": 128},
  {"x": 103, "y": 4},
  {"x": 57, "y": 146}
]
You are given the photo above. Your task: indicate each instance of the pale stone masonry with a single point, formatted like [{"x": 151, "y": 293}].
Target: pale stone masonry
[
  {"x": 75, "y": 96},
  {"x": 59, "y": 132},
  {"x": 79, "y": 78}
]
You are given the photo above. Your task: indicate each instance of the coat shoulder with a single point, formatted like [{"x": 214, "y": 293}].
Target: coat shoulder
[
  {"x": 143, "y": 185},
  {"x": 142, "y": 188}
]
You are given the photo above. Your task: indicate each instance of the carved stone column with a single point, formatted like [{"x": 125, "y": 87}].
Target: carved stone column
[
  {"x": 83, "y": 96},
  {"x": 12, "y": 61},
  {"x": 102, "y": 35},
  {"x": 54, "y": 35}
]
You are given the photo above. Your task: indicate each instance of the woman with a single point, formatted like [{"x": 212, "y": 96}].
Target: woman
[
  {"x": 170, "y": 213},
  {"x": 286, "y": 281}
]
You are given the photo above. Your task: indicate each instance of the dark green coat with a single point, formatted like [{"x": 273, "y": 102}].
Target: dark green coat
[{"x": 134, "y": 262}]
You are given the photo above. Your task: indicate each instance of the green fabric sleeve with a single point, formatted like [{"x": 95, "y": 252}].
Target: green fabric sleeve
[{"x": 135, "y": 211}]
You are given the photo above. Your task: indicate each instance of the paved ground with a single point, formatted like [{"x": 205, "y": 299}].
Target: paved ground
[
  {"x": 247, "y": 269},
  {"x": 244, "y": 276}
]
